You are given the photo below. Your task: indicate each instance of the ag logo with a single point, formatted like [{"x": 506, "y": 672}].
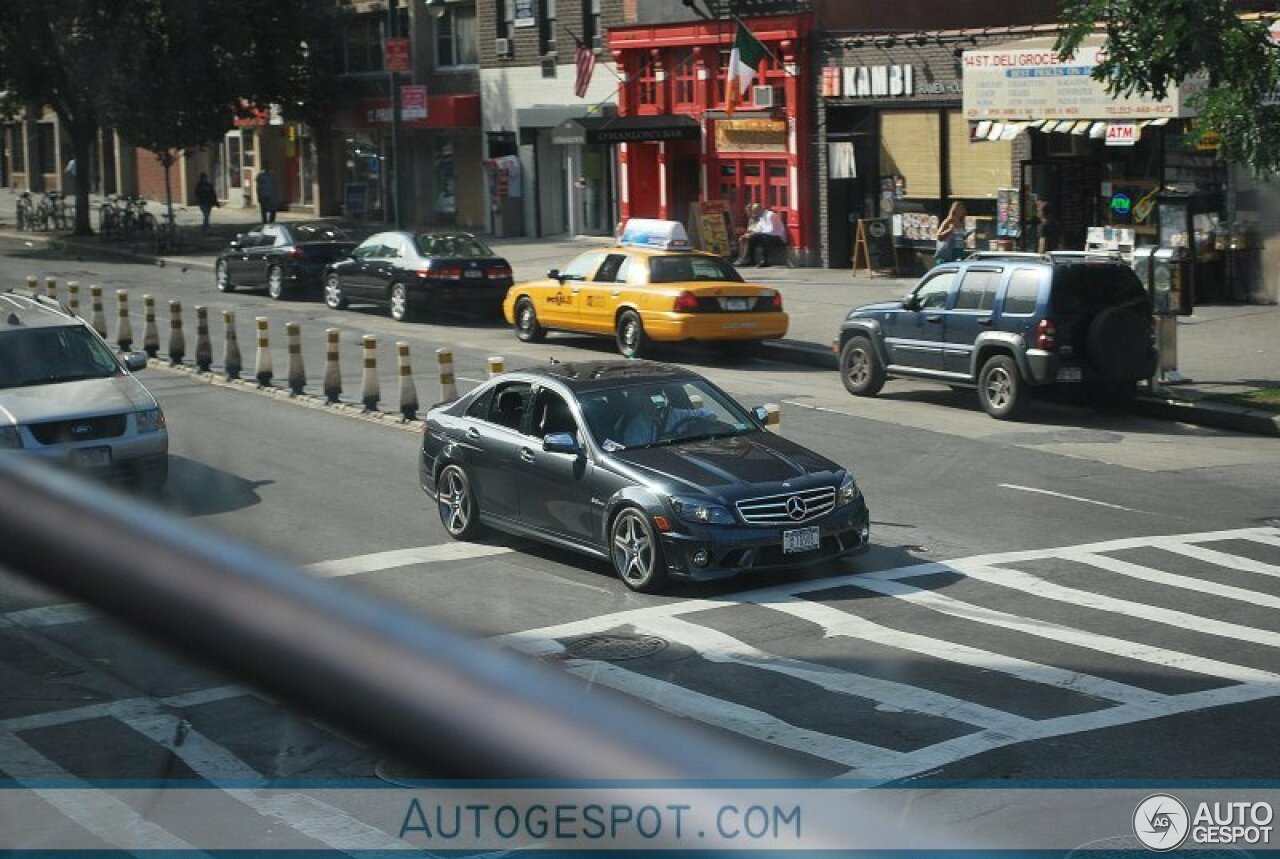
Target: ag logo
[{"x": 1160, "y": 822}]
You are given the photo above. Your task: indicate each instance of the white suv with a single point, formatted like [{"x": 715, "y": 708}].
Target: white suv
[{"x": 66, "y": 396}]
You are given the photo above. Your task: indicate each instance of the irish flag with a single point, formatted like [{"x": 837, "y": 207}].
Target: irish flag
[{"x": 743, "y": 62}]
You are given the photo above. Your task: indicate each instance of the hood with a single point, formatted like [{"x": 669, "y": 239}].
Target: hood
[
  {"x": 729, "y": 468},
  {"x": 878, "y": 307},
  {"x": 85, "y": 398}
]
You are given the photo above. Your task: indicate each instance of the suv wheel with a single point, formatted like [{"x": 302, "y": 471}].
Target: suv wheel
[
  {"x": 1001, "y": 390},
  {"x": 860, "y": 368}
]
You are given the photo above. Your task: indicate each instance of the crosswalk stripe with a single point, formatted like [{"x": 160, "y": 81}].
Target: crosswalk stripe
[
  {"x": 403, "y": 558},
  {"x": 305, "y": 814},
  {"x": 1173, "y": 580},
  {"x": 1026, "y": 583},
  {"x": 102, "y": 816},
  {"x": 749, "y": 722},
  {"x": 1222, "y": 559},
  {"x": 718, "y": 647}
]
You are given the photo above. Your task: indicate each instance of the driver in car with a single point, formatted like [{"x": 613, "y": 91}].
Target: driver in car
[{"x": 653, "y": 414}]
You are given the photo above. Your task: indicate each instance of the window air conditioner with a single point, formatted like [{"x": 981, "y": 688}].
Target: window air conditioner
[
  {"x": 597, "y": 43},
  {"x": 762, "y": 96},
  {"x": 502, "y": 48}
]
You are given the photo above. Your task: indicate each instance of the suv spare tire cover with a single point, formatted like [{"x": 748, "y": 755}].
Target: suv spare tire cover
[{"x": 1119, "y": 344}]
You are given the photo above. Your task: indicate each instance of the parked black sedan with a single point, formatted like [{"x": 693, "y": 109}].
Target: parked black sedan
[
  {"x": 287, "y": 259},
  {"x": 413, "y": 274},
  {"x": 648, "y": 465}
]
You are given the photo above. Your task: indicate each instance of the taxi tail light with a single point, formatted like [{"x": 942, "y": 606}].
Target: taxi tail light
[
  {"x": 498, "y": 272},
  {"x": 1047, "y": 336},
  {"x": 686, "y": 302},
  {"x": 776, "y": 301}
]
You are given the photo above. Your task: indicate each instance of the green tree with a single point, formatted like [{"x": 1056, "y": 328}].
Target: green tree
[{"x": 1153, "y": 45}]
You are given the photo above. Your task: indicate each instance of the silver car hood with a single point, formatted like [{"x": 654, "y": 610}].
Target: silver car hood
[{"x": 66, "y": 400}]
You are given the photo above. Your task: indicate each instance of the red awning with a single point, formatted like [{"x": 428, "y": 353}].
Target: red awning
[{"x": 443, "y": 111}]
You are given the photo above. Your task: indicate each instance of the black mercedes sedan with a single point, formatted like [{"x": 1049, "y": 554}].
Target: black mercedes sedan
[
  {"x": 417, "y": 274},
  {"x": 647, "y": 465},
  {"x": 287, "y": 259}
]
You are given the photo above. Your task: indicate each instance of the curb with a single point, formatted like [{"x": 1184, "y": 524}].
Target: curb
[{"x": 1209, "y": 415}]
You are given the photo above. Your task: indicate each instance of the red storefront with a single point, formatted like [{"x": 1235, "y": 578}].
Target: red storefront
[{"x": 760, "y": 154}]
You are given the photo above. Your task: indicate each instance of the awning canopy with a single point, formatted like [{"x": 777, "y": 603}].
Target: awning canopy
[
  {"x": 625, "y": 129},
  {"x": 1025, "y": 81}
]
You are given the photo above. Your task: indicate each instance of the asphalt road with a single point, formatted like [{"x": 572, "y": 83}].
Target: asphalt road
[{"x": 1070, "y": 597}]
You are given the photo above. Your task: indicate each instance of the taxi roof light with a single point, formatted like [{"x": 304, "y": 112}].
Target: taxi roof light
[{"x": 655, "y": 233}]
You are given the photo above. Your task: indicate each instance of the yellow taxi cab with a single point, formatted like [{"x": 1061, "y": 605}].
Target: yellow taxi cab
[{"x": 650, "y": 288}]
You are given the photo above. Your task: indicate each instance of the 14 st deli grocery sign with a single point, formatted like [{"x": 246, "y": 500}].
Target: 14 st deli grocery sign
[{"x": 1027, "y": 81}]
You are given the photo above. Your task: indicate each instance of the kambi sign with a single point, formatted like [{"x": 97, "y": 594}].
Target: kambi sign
[{"x": 1122, "y": 134}]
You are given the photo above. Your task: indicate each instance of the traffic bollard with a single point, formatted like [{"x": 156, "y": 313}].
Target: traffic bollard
[
  {"x": 124, "y": 329},
  {"x": 496, "y": 365},
  {"x": 73, "y": 297},
  {"x": 99, "y": 318},
  {"x": 297, "y": 375},
  {"x": 33, "y": 285},
  {"x": 204, "y": 346},
  {"x": 51, "y": 287},
  {"x": 177, "y": 339},
  {"x": 408, "y": 393},
  {"x": 448, "y": 388},
  {"x": 371, "y": 391},
  {"x": 773, "y": 417},
  {"x": 150, "y": 336},
  {"x": 264, "y": 372},
  {"x": 231, "y": 363},
  {"x": 332, "y": 369}
]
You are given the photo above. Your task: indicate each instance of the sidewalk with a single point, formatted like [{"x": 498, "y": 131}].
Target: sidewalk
[{"x": 1227, "y": 352}]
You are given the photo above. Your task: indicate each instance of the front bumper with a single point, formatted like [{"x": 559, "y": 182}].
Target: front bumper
[{"x": 734, "y": 549}]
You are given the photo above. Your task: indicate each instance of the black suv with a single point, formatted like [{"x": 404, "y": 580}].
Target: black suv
[{"x": 1006, "y": 323}]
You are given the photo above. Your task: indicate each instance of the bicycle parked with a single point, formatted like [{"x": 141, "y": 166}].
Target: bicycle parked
[
  {"x": 168, "y": 235},
  {"x": 109, "y": 217},
  {"x": 52, "y": 211},
  {"x": 25, "y": 216}
]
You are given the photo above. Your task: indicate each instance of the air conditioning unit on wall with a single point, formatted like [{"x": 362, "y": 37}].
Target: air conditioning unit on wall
[
  {"x": 502, "y": 48},
  {"x": 762, "y": 96}
]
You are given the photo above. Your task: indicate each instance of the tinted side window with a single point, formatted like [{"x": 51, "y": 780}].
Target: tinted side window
[
  {"x": 479, "y": 407},
  {"x": 932, "y": 294},
  {"x": 978, "y": 290},
  {"x": 1024, "y": 288},
  {"x": 509, "y": 404},
  {"x": 610, "y": 272}
]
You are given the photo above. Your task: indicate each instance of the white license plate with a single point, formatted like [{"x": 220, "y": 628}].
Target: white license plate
[
  {"x": 736, "y": 303},
  {"x": 1069, "y": 374},
  {"x": 474, "y": 274},
  {"x": 801, "y": 540},
  {"x": 91, "y": 457}
]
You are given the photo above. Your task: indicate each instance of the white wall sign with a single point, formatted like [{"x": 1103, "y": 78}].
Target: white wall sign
[
  {"x": 876, "y": 81},
  {"x": 1027, "y": 81},
  {"x": 1122, "y": 134},
  {"x": 526, "y": 14}
]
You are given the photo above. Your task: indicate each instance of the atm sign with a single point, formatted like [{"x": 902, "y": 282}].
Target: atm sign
[{"x": 1122, "y": 134}]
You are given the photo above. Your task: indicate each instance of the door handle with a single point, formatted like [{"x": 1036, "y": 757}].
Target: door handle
[
  {"x": 472, "y": 432},
  {"x": 986, "y": 322},
  {"x": 933, "y": 317},
  {"x": 526, "y": 454},
  {"x": 575, "y": 290}
]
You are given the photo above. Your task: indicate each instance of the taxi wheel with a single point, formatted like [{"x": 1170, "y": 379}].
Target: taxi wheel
[
  {"x": 528, "y": 329},
  {"x": 632, "y": 341}
]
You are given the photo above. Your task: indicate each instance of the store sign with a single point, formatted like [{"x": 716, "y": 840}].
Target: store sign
[
  {"x": 413, "y": 101},
  {"x": 526, "y": 14},
  {"x": 396, "y": 54},
  {"x": 869, "y": 82},
  {"x": 1032, "y": 83},
  {"x": 1122, "y": 134},
  {"x": 751, "y": 135}
]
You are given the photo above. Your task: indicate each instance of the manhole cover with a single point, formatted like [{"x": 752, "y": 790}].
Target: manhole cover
[{"x": 611, "y": 647}]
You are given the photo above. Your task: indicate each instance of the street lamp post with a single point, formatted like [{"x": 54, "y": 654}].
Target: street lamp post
[{"x": 393, "y": 171}]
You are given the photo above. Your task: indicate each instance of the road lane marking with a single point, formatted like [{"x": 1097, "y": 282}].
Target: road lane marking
[
  {"x": 1066, "y": 497},
  {"x": 403, "y": 558}
]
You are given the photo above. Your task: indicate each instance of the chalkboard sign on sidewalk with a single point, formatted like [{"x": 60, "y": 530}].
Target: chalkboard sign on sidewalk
[{"x": 873, "y": 247}]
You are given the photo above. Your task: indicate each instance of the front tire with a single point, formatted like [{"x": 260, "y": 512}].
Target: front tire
[
  {"x": 398, "y": 301},
  {"x": 275, "y": 283},
  {"x": 222, "y": 278},
  {"x": 860, "y": 368},
  {"x": 1001, "y": 390},
  {"x": 333, "y": 297},
  {"x": 528, "y": 328},
  {"x": 631, "y": 339},
  {"x": 635, "y": 552},
  {"x": 456, "y": 503}
]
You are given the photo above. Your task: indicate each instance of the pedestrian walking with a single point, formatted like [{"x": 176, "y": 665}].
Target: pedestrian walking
[
  {"x": 951, "y": 235},
  {"x": 206, "y": 199},
  {"x": 268, "y": 199},
  {"x": 1049, "y": 235}
]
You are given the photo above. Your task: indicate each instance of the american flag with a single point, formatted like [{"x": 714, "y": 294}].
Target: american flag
[{"x": 585, "y": 58}]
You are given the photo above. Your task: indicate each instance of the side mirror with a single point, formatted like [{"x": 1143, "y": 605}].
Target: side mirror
[
  {"x": 135, "y": 360},
  {"x": 554, "y": 274},
  {"x": 237, "y": 241},
  {"x": 561, "y": 442},
  {"x": 760, "y": 413},
  {"x": 909, "y": 302}
]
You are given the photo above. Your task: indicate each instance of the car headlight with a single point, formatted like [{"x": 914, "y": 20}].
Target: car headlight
[
  {"x": 848, "y": 491},
  {"x": 10, "y": 438},
  {"x": 700, "y": 511},
  {"x": 150, "y": 420}
]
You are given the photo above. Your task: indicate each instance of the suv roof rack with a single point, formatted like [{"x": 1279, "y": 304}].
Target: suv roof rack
[
  {"x": 1081, "y": 255},
  {"x": 1005, "y": 255}
]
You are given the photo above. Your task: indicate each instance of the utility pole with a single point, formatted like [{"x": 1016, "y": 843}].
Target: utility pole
[{"x": 393, "y": 171}]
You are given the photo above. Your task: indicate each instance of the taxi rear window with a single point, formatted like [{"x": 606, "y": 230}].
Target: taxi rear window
[{"x": 683, "y": 269}]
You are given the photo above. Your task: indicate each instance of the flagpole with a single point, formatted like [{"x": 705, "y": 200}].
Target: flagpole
[{"x": 737, "y": 20}]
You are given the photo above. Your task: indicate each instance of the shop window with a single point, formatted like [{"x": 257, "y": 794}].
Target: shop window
[
  {"x": 456, "y": 37},
  {"x": 978, "y": 168},
  {"x": 683, "y": 79},
  {"x": 911, "y": 147}
]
